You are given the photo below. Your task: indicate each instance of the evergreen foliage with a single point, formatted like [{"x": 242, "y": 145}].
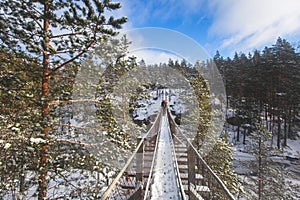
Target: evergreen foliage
[
  {"x": 44, "y": 154},
  {"x": 20, "y": 121},
  {"x": 55, "y": 34},
  {"x": 269, "y": 181},
  {"x": 220, "y": 159},
  {"x": 266, "y": 82},
  {"x": 214, "y": 147},
  {"x": 263, "y": 88}
]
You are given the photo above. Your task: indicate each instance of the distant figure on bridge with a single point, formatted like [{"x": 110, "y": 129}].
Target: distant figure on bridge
[{"x": 164, "y": 103}]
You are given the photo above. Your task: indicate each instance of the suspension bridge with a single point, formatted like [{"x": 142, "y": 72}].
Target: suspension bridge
[{"x": 165, "y": 165}]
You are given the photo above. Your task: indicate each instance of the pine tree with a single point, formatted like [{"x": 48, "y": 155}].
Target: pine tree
[
  {"x": 269, "y": 80},
  {"x": 62, "y": 32},
  {"x": 269, "y": 182}
]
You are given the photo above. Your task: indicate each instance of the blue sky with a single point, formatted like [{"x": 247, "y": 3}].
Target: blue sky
[{"x": 225, "y": 25}]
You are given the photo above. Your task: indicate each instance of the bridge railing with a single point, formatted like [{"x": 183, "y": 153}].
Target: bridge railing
[
  {"x": 202, "y": 180},
  {"x": 150, "y": 171},
  {"x": 132, "y": 179},
  {"x": 181, "y": 188}
]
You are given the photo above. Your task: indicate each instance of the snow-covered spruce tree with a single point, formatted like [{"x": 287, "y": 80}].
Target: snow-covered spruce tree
[
  {"x": 60, "y": 31},
  {"x": 268, "y": 180},
  {"x": 219, "y": 158}
]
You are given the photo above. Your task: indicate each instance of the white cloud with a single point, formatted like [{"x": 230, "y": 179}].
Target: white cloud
[
  {"x": 154, "y": 56},
  {"x": 232, "y": 25},
  {"x": 245, "y": 25},
  {"x": 166, "y": 40}
]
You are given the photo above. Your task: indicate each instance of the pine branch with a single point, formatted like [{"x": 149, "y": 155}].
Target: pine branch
[
  {"x": 66, "y": 34},
  {"x": 35, "y": 19},
  {"x": 25, "y": 41},
  {"x": 74, "y": 58},
  {"x": 65, "y": 77},
  {"x": 59, "y": 52}
]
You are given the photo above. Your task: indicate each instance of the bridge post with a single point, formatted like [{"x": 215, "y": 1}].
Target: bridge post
[
  {"x": 140, "y": 161},
  {"x": 191, "y": 171}
]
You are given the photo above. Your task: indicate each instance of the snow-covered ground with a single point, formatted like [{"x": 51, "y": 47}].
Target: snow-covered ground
[
  {"x": 150, "y": 107},
  {"x": 288, "y": 160},
  {"x": 242, "y": 158},
  {"x": 292, "y": 149},
  {"x": 165, "y": 185}
]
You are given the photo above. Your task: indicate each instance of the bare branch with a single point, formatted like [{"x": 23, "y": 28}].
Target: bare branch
[
  {"x": 69, "y": 182},
  {"x": 72, "y": 126},
  {"x": 73, "y": 101},
  {"x": 74, "y": 142}
]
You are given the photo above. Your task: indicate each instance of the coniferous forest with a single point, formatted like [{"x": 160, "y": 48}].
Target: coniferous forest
[
  {"x": 262, "y": 89},
  {"x": 264, "y": 86},
  {"x": 60, "y": 139}
]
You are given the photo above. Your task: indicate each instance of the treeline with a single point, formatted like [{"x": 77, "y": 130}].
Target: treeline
[{"x": 264, "y": 87}]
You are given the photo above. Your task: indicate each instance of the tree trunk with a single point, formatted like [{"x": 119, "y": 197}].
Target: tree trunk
[
  {"x": 271, "y": 126},
  {"x": 238, "y": 134},
  {"x": 244, "y": 137},
  {"x": 271, "y": 120},
  {"x": 266, "y": 117},
  {"x": 45, "y": 132},
  {"x": 289, "y": 117},
  {"x": 22, "y": 173},
  {"x": 260, "y": 180},
  {"x": 43, "y": 170},
  {"x": 273, "y": 123},
  {"x": 279, "y": 130},
  {"x": 293, "y": 114},
  {"x": 285, "y": 131}
]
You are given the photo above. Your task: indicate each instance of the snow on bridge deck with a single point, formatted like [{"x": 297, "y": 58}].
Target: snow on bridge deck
[{"x": 165, "y": 184}]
